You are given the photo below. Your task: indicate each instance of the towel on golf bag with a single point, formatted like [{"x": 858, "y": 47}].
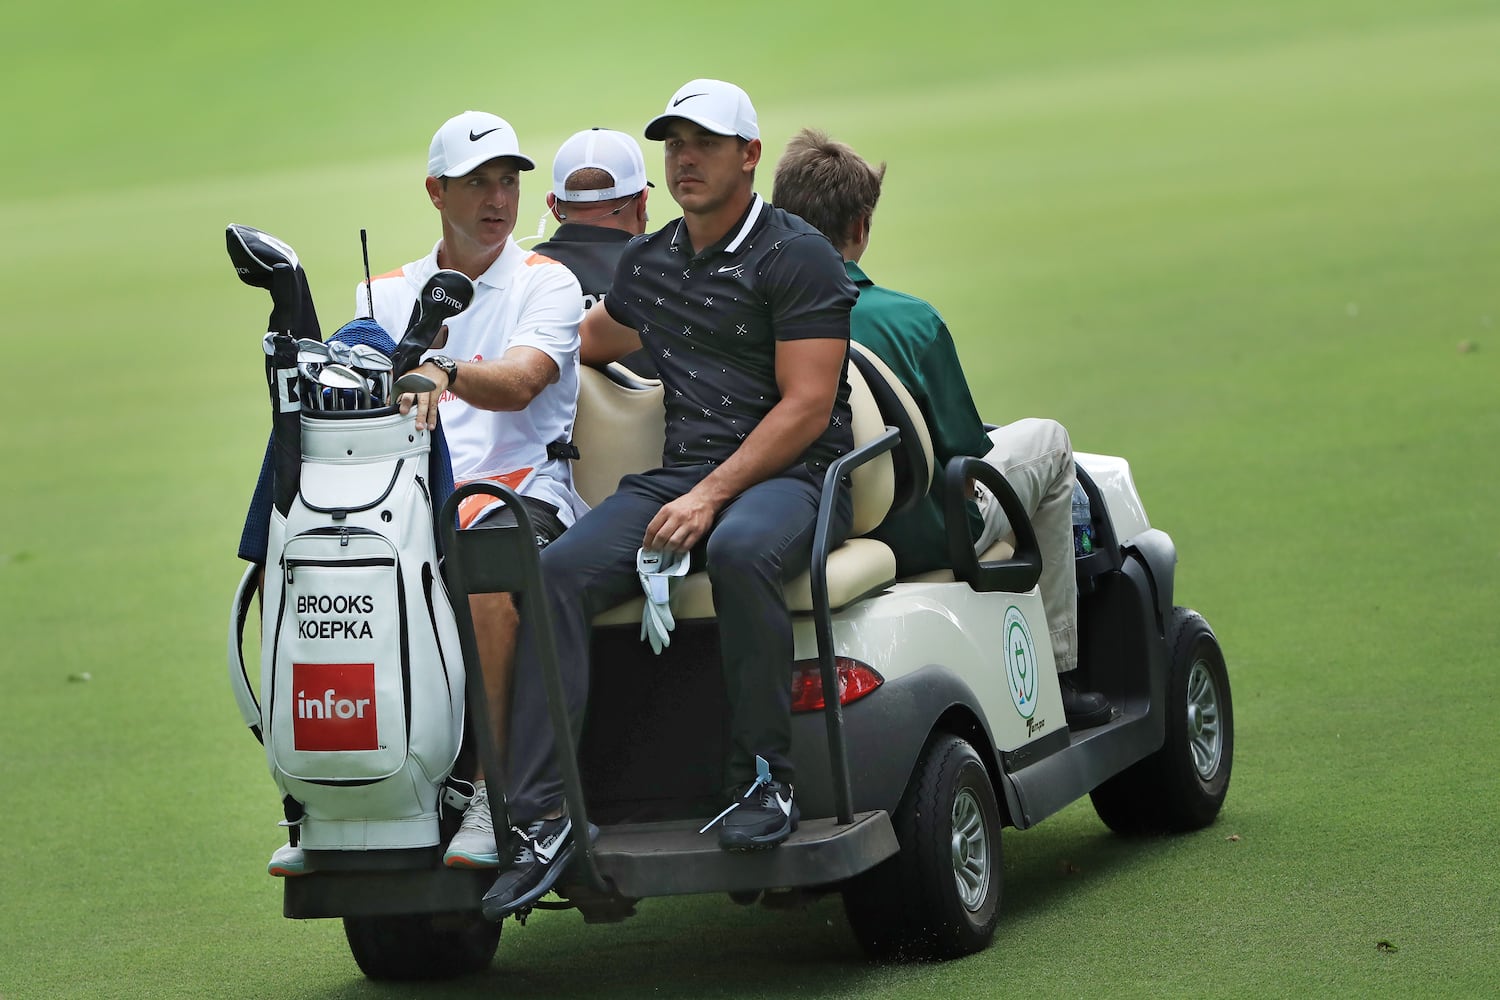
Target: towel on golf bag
[
  {"x": 258, "y": 518},
  {"x": 362, "y": 674}
]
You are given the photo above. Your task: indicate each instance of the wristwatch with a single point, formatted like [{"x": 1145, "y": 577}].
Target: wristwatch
[{"x": 447, "y": 365}]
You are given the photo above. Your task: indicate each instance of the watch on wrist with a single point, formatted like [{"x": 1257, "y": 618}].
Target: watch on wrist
[{"x": 447, "y": 366}]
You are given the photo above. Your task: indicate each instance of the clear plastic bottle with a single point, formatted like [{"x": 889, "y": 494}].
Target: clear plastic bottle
[{"x": 1083, "y": 525}]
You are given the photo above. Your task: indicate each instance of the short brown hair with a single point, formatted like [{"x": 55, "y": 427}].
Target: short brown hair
[
  {"x": 827, "y": 183},
  {"x": 589, "y": 179}
]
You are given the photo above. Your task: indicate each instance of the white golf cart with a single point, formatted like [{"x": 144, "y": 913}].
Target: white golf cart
[{"x": 948, "y": 726}]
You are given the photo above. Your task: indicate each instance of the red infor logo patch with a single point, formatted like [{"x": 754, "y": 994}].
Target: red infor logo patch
[{"x": 334, "y": 706}]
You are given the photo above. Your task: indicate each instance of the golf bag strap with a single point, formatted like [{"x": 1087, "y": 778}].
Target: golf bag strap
[
  {"x": 294, "y": 812},
  {"x": 563, "y": 449},
  {"x": 454, "y": 795},
  {"x": 239, "y": 680}
]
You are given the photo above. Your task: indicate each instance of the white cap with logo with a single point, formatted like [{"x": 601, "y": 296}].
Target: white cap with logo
[
  {"x": 467, "y": 140},
  {"x": 616, "y": 153},
  {"x": 720, "y": 107}
]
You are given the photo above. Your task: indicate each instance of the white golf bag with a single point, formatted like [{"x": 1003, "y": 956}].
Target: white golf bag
[{"x": 362, "y": 674}]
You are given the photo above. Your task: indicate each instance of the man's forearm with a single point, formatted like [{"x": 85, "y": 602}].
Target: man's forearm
[
  {"x": 503, "y": 385},
  {"x": 780, "y": 438}
]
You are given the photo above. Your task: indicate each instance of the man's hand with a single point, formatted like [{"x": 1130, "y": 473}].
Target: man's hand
[
  {"x": 681, "y": 524},
  {"x": 426, "y": 403}
]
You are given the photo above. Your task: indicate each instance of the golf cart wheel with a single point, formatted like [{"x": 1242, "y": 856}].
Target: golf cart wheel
[
  {"x": 939, "y": 896},
  {"x": 1182, "y": 785},
  {"x": 422, "y": 946}
]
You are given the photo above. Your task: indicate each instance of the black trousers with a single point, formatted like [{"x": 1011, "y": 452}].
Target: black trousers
[{"x": 761, "y": 539}]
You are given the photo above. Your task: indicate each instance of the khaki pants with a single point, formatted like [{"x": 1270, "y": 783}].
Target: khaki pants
[{"x": 1036, "y": 458}]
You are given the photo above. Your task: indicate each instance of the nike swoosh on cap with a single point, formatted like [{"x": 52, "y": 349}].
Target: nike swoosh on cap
[
  {"x": 687, "y": 98},
  {"x": 476, "y": 136}
]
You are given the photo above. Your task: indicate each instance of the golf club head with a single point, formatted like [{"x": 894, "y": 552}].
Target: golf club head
[
  {"x": 414, "y": 382},
  {"x": 339, "y": 378},
  {"x": 314, "y": 350},
  {"x": 370, "y": 358},
  {"x": 312, "y": 392},
  {"x": 446, "y": 294},
  {"x": 256, "y": 256}
]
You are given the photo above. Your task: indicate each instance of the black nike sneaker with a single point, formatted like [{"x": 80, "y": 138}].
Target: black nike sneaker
[
  {"x": 542, "y": 852},
  {"x": 763, "y": 819}
]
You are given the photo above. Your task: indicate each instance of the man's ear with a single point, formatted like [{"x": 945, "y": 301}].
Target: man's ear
[
  {"x": 752, "y": 156},
  {"x": 640, "y": 209},
  {"x": 552, "y": 207},
  {"x": 435, "y": 192}
]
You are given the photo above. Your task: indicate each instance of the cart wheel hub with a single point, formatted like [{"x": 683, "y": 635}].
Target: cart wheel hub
[{"x": 970, "y": 849}]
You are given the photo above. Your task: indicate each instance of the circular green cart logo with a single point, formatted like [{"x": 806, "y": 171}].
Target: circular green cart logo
[{"x": 1020, "y": 662}]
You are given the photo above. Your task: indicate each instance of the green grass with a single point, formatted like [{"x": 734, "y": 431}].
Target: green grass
[{"x": 1240, "y": 247}]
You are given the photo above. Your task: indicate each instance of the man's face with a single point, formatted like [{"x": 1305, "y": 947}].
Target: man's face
[
  {"x": 705, "y": 170},
  {"x": 480, "y": 206}
]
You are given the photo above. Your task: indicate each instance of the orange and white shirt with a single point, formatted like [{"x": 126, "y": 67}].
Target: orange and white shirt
[{"x": 523, "y": 300}]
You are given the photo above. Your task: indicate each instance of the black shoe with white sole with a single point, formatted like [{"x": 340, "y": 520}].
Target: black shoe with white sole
[
  {"x": 542, "y": 853},
  {"x": 763, "y": 819}
]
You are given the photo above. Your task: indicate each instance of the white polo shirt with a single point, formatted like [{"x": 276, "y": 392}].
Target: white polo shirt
[{"x": 523, "y": 300}]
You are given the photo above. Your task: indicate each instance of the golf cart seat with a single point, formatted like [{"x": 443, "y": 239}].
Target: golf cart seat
[
  {"x": 620, "y": 430},
  {"x": 901, "y": 411}
]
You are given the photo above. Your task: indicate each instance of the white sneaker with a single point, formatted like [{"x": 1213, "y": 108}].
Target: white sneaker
[
  {"x": 287, "y": 862},
  {"x": 473, "y": 846}
]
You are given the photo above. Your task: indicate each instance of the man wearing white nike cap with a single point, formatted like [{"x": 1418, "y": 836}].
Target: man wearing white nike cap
[
  {"x": 507, "y": 378},
  {"x": 599, "y": 191},
  {"x": 745, "y": 310}
]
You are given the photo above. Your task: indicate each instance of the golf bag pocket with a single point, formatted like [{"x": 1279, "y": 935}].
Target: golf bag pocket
[
  {"x": 339, "y": 694},
  {"x": 361, "y": 666}
]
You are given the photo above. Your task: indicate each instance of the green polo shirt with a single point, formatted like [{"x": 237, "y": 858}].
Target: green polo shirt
[{"x": 909, "y": 336}]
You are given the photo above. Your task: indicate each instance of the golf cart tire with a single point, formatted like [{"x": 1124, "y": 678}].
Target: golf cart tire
[
  {"x": 421, "y": 946},
  {"x": 1181, "y": 786},
  {"x": 939, "y": 896}
]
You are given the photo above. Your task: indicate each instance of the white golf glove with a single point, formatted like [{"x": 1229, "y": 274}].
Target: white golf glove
[{"x": 656, "y": 570}]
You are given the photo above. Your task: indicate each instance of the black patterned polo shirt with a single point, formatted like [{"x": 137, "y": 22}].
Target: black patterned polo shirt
[{"x": 711, "y": 321}]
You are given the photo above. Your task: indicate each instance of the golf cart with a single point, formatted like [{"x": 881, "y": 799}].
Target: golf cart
[{"x": 948, "y": 723}]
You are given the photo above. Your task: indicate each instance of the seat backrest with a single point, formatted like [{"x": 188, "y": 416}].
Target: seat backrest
[
  {"x": 875, "y": 481},
  {"x": 913, "y": 458},
  {"x": 621, "y": 428}
]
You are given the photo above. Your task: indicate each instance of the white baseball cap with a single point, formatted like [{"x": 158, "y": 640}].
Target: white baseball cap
[
  {"x": 467, "y": 140},
  {"x": 719, "y": 107},
  {"x": 616, "y": 153}
]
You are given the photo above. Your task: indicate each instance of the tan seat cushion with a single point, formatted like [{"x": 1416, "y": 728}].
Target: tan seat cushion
[
  {"x": 858, "y": 567},
  {"x": 1003, "y": 549},
  {"x": 908, "y": 403},
  {"x": 620, "y": 428}
]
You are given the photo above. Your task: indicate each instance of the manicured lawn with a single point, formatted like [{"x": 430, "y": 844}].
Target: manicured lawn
[{"x": 1254, "y": 251}]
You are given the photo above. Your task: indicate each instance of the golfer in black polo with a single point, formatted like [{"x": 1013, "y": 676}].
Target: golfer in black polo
[{"x": 745, "y": 309}]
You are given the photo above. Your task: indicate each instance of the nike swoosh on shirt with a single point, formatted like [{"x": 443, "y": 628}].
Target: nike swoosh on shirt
[
  {"x": 476, "y": 136},
  {"x": 687, "y": 98},
  {"x": 731, "y": 267}
]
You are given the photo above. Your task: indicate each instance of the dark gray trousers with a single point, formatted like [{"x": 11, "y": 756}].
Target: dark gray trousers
[{"x": 760, "y": 540}]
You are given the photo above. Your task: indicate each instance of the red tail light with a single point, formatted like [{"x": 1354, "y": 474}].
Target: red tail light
[{"x": 856, "y": 680}]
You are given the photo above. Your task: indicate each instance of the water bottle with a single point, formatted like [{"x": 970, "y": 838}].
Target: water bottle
[{"x": 1083, "y": 525}]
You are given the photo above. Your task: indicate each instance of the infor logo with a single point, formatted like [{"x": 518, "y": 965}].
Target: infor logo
[
  {"x": 1020, "y": 662},
  {"x": 333, "y": 706}
]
